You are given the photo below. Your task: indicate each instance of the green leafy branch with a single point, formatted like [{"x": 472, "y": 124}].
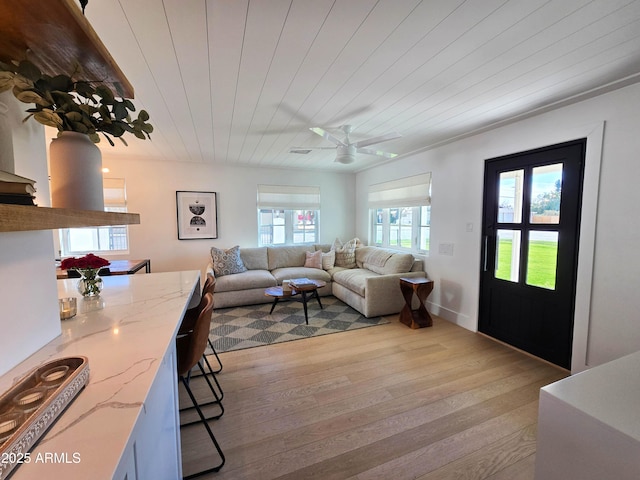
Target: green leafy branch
[{"x": 74, "y": 105}]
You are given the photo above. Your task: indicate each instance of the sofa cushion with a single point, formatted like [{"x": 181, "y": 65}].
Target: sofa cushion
[
  {"x": 226, "y": 262},
  {"x": 384, "y": 261},
  {"x": 313, "y": 259},
  {"x": 287, "y": 256},
  {"x": 328, "y": 260},
  {"x": 345, "y": 253},
  {"x": 325, "y": 247},
  {"x": 255, "y": 258},
  {"x": 372, "y": 255},
  {"x": 397, "y": 263},
  {"x": 288, "y": 273},
  {"x": 354, "y": 279},
  {"x": 245, "y": 281},
  {"x": 361, "y": 254}
]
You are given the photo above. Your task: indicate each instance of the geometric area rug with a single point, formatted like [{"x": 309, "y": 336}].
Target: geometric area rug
[{"x": 250, "y": 326}]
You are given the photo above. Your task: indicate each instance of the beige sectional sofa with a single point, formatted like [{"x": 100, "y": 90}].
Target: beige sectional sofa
[{"x": 371, "y": 286}]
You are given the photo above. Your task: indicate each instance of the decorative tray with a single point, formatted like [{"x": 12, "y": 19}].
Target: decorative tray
[{"x": 33, "y": 404}]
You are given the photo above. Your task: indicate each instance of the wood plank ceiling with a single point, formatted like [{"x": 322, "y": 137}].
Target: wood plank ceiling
[{"x": 240, "y": 82}]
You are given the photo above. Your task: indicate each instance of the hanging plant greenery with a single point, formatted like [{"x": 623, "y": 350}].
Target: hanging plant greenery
[{"x": 71, "y": 104}]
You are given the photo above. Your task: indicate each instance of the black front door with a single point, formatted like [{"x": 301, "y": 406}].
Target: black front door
[{"x": 531, "y": 225}]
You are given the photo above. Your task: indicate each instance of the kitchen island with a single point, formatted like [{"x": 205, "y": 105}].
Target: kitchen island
[
  {"x": 124, "y": 423},
  {"x": 588, "y": 425}
]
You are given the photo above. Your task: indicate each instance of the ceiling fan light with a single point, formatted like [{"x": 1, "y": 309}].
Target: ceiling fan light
[
  {"x": 345, "y": 158},
  {"x": 346, "y": 154}
]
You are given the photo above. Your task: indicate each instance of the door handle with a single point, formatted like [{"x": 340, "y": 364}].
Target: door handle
[{"x": 486, "y": 244}]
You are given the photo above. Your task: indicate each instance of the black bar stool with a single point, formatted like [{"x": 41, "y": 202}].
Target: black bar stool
[
  {"x": 190, "y": 351},
  {"x": 191, "y": 316}
]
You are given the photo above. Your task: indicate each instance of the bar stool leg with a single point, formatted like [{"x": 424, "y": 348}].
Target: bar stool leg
[
  {"x": 217, "y": 401},
  {"x": 203, "y": 420}
]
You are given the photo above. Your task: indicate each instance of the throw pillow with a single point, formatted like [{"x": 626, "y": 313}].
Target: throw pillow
[
  {"x": 337, "y": 243},
  {"x": 346, "y": 253},
  {"x": 314, "y": 259},
  {"x": 328, "y": 260},
  {"x": 226, "y": 262}
]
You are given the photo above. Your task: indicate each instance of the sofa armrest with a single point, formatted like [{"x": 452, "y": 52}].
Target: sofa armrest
[
  {"x": 418, "y": 265},
  {"x": 380, "y": 286},
  {"x": 209, "y": 269}
]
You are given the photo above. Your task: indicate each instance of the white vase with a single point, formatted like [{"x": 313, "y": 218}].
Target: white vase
[{"x": 75, "y": 168}]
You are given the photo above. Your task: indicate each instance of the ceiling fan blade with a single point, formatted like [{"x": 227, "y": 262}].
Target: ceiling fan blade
[
  {"x": 379, "y": 153},
  {"x": 379, "y": 139},
  {"x": 306, "y": 150},
  {"x": 323, "y": 133},
  {"x": 351, "y": 115}
]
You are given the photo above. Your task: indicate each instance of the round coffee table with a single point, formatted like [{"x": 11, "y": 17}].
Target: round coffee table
[{"x": 306, "y": 292}]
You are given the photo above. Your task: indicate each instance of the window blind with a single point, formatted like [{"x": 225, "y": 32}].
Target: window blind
[
  {"x": 288, "y": 197},
  {"x": 115, "y": 194},
  {"x": 404, "y": 192}
]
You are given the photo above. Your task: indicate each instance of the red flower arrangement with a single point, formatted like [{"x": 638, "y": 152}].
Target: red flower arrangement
[{"x": 89, "y": 261}]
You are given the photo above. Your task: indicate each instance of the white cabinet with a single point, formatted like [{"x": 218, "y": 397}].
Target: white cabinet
[
  {"x": 158, "y": 430},
  {"x": 589, "y": 424},
  {"x": 153, "y": 451}
]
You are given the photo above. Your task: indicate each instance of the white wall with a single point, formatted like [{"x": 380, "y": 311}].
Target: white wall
[
  {"x": 151, "y": 192},
  {"x": 607, "y": 319},
  {"x": 28, "y": 295}
]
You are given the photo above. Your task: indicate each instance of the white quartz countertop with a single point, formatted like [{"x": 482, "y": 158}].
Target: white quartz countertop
[
  {"x": 610, "y": 393},
  {"x": 124, "y": 333}
]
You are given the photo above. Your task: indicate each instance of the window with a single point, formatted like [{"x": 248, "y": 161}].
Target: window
[
  {"x": 288, "y": 214},
  {"x": 401, "y": 213},
  {"x": 108, "y": 239}
]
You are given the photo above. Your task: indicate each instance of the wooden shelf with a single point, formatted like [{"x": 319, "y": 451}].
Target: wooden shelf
[
  {"x": 57, "y": 36},
  {"x": 20, "y": 218}
]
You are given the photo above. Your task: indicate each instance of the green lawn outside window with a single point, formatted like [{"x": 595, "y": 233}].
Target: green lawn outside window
[{"x": 542, "y": 262}]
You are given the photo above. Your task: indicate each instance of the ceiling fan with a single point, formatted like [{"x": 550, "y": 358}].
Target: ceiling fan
[{"x": 346, "y": 148}]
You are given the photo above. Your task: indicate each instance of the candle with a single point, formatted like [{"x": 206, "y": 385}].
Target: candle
[
  {"x": 8, "y": 425},
  {"x": 68, "y": 307},
  {"x": 54, "y": 374},
  {"x": 30, "y": 399}
]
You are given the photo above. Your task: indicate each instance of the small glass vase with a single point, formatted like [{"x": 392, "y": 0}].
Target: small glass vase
[{"x": 90, "y": 282}]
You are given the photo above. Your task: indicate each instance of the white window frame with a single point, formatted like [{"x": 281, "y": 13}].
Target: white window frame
[
  {"x": 411, "y": 193},
  {"x": 291, "y": 227},
  {"x": 115, "y": 200},
  {"x": 291, "y": 201}
]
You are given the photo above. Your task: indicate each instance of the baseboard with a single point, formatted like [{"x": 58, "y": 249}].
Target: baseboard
[{"x": 452, "y": 316}]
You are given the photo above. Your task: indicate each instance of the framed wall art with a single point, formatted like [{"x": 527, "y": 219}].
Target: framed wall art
[{"x": 197, "y": 215}]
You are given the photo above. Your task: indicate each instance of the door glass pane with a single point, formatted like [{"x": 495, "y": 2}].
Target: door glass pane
[
  {"x": 546, "y": 189},
  {"x": 510, "y": 196},
  {"x": 508, "y": 255},
  {"x": 542, "y": 259}
]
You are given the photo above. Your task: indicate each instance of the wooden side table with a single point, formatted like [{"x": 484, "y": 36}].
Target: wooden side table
[
  {"x": 117, "y": 267},
  {"x": 422, "y": 287}
]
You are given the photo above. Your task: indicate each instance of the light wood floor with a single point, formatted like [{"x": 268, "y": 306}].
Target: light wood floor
[{"x": 385, "y": 402}]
